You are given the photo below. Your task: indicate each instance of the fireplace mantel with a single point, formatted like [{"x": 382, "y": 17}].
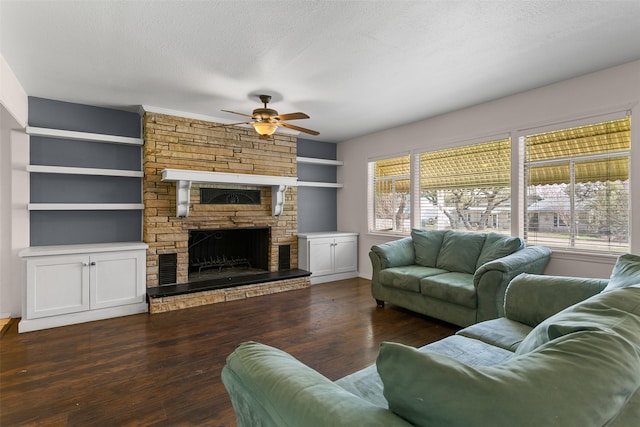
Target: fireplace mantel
[{"x": 184, "y": 178}]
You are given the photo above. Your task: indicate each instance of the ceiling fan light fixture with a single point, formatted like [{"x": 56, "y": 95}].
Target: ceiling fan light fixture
[{"x": 265, "y": 128}]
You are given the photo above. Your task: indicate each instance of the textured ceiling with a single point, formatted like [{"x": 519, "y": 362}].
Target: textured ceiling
[{"x": 353, "y": 66}]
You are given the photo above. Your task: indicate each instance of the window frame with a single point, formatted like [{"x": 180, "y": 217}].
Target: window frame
[{"x": 520, "y": 142}]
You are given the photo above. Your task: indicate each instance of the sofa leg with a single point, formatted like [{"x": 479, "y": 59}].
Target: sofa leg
[{"x": 380, "y": 303}]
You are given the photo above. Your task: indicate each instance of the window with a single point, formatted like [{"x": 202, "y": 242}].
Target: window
[
  {"x": 389, "y": 187},
  {"x": 466, "y": 188},
  {"x": 577, "y": 186}
]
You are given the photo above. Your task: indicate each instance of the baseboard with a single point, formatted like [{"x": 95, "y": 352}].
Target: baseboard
[{"x": 28, "y": 325}]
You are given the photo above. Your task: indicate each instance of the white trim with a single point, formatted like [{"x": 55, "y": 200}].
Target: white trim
[
  {"x": 84, "y": 206},
  {"x": 227, "y": 178},
  {"x": 84, "y": 171},
  {"x": 81, "y": 248},
  {"x": 83, "y": 136},
  {"x": 316, "y": 161},
  {"x": 319, "y": 184},
  {"x": 27, "y": 325}
]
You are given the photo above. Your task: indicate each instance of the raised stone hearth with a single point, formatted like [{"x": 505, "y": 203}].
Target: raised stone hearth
[
  {"x": 159, "y": 303},
  {"x": 183, "y": 144}
]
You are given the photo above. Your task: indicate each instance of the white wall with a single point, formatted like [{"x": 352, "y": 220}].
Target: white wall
[
  {"x": 14, "y": 190},
  {"x": 610, "y": 90}
]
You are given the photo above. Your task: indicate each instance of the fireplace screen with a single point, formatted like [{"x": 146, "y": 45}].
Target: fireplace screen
[{"x": 228, "y": 252}]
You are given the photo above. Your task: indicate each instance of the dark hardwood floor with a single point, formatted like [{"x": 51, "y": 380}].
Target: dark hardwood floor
[{"x": 164, "y": 369}]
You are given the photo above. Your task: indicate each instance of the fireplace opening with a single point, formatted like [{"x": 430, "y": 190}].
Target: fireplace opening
[{"x": 231, "y": 252}]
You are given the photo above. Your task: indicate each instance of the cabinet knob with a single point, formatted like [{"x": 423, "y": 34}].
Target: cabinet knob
[
  {"x": 84, "y": 264},
  {"x": 92, "y": 263}
]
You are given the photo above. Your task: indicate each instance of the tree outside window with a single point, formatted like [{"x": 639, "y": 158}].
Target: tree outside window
[{"x": 577, "y": 187}]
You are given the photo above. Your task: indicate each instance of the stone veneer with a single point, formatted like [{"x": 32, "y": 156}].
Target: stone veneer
[{"x": 181, "y": 143}]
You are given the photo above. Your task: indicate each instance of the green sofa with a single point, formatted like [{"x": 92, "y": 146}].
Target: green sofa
[
  {"x": 566, "y": 354},
  {"x": 454, "y": 276}
]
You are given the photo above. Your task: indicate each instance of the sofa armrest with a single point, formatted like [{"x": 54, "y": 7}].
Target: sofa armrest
[
  {"x": 269, "y": 387},
  {"x": 491, "y": 279},
  {"x": 531, "y": 298},
  {"x": 394, "y": 253}
]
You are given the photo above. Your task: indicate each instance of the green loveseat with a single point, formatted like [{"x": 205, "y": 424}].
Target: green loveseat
[
  {"x": 566, "y": 354},
  {"x": 454, "y": 276}
]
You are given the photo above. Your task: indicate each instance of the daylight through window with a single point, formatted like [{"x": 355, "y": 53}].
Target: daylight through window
[
  {"x": 389, "y": 188},
  {"x": 577, "y": 187},
  {"x": 466, "y": 188}
]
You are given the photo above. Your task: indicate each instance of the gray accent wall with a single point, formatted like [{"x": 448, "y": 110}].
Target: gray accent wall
[
  {"x": 317, "y": 206},
  {"x": 61, "y": 227},
  {"x": 48, "y": 113}
]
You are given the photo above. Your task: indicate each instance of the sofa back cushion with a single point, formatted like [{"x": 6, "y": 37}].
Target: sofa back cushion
[
  {"x": 460, "y": 251},
  {"x": 617, "y": 311},
  {"x": 626, "y": 272},
  {"x": 497, "y": 246},
  {"x": 427, "y": 244},
  {"x": 583, "y": 379}
]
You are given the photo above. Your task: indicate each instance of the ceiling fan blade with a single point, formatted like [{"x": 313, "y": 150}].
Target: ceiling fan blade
[
  {"x": 298, "y": 128},
  {"x": 233, "y": 112},
  {"x": 292, "y": 116}
]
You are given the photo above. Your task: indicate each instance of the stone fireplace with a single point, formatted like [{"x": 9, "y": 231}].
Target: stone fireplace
[{"x": 189, "y": 146}]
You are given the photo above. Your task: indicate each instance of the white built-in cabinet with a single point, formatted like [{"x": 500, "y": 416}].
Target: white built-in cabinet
[
  {"x": 328, "y": 256},
  {"x": 69, "y": 284}
]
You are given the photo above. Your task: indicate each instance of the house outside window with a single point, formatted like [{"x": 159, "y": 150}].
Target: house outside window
[
  {"x": 577, "y": 186},
  {"x": 466, "y": 188},
  {"x": 389, "y": 195}
]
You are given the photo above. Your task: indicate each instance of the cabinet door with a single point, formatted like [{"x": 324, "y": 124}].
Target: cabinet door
[
  {"x": 346, "y": 254},
  {"x": 117, "y": 278},
  {"x": 57, "y": 285},
  {"x": 321, "y": 256}
]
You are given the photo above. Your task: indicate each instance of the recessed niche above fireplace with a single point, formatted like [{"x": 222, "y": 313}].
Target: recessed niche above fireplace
[{"x": 229, "y": 196}]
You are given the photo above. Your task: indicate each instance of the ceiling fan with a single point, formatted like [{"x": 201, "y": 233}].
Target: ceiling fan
[{"x": 267, "y": 120}]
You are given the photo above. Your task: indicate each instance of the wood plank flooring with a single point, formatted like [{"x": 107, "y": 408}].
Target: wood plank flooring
[{"x": 164, "y": 369}]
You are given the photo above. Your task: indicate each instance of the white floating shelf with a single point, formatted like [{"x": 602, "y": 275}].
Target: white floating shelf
[
  {"x": 84, "y": 206},
  {"x": 319, "y": 184},
  {"x": 83, "y": 136},
  {"x": 84, "y": 171},
  {"x": 316, "y": 161},
  {"x": 183, "y": 179}
]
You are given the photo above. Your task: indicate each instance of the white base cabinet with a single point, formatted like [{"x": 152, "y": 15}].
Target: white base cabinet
[
  {"x": 80, "y": 283},
  {"x": 328, "y": 256}
]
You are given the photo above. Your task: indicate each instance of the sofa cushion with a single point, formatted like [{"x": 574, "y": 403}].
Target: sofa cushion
[
  {"x": 407, "y": 277},
  {"x": 427, "y": 244},
  {"x": 626, "y": 272},
  {"x": 366, "y": 383},
  {"x": 452, "y": 287},
  {"x": 582, "y": 379},
  {"x": 616, "y": 311},
  {"x": 460, "y": 251},
  {"x": 501, "y": 332},
  {"x": 498, "y": 246}
]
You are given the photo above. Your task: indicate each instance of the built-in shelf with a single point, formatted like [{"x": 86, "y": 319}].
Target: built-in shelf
[
  {"x": 83, "y": 136},
  {"x": 319, "y": 184},
  {"x": 84, "y": 206},
  {"x": 316, "y": 161},
  {"x": 84, "y": 171}
]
